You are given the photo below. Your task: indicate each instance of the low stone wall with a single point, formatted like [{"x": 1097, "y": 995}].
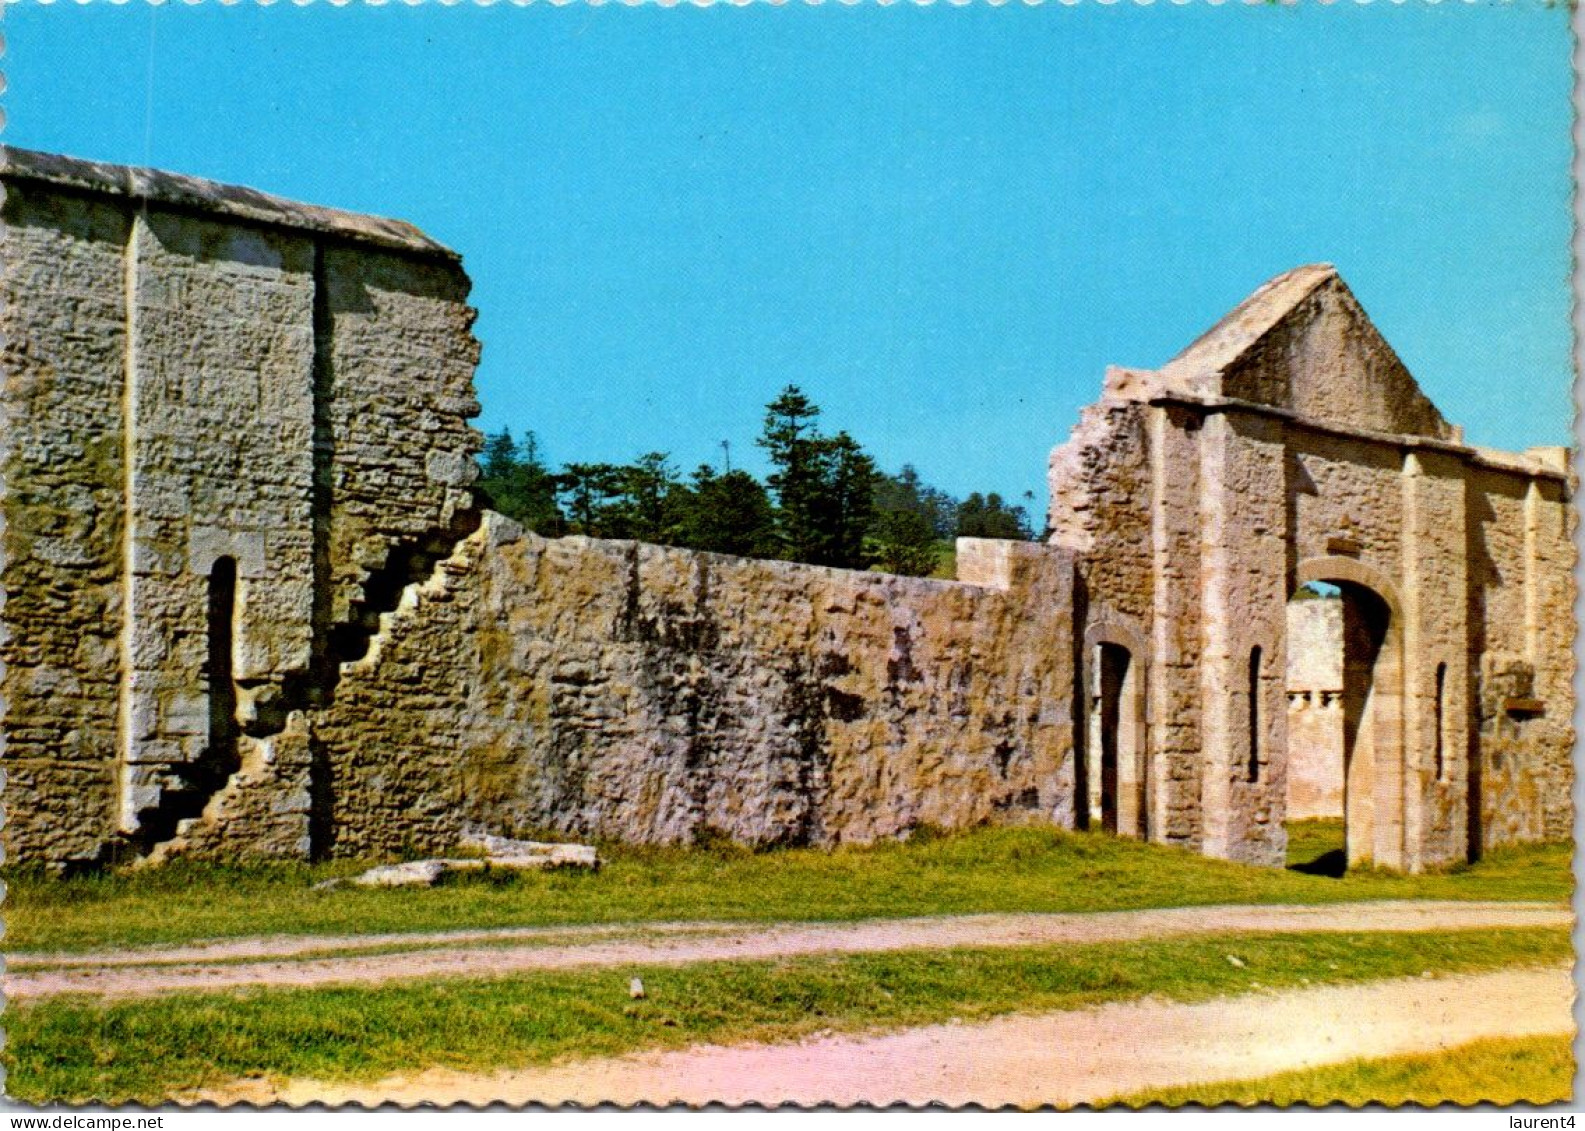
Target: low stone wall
[{"x": 614, "y": 689}]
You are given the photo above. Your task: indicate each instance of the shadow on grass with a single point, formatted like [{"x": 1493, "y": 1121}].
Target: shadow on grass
[
  {"x": 1317, "y": 846},
  {"x": 1333, "y": 863}
]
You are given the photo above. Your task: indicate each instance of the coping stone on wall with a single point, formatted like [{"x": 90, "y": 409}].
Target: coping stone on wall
[{"x": 196, "y": 194}]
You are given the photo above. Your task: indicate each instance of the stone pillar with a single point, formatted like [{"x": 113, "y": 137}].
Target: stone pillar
[
  {"x": 1243, "y": 515},
  {"x": 1172, "y": 789},
  {"x": 1436, "y": 648}
]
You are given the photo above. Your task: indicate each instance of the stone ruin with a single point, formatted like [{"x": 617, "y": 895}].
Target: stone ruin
[{"x": 252, "y": 610}]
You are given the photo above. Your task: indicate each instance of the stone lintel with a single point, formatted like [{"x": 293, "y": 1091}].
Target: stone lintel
[{"x": 193, "y": 194}]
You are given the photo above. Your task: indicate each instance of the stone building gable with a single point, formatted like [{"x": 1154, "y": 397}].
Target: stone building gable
[
  {"x": 1289, "y": 445},
  {"x": 1302, "y": 342}
]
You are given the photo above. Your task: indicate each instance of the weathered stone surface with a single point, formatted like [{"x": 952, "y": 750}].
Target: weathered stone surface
[
  {"x": 192, "y": 194},
  {"x": 623, "y": 690},
  {"x": 202, "y": 379}
]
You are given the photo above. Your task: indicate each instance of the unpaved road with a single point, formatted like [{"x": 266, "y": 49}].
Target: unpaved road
[
  {"x": 1064, "y": 1058},
  {"x": 269, "y": 962}
]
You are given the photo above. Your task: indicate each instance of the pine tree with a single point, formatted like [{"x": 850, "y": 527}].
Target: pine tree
[
  {"x": 730, "y": 514},
  {"x": 514, "y": 482},
  {"x": 825, "y": 486}
]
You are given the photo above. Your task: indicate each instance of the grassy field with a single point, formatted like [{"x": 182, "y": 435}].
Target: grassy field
[
  {"x": 983, "y": 870},
  {"x": 80, "y": 1049},
  {"x": 1536, "y": 1070}
]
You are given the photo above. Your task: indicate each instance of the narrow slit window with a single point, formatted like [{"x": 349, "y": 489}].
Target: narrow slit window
[
  {"x": 1254, "y": 713},
  {"x": 222, "y": 692},
  {"x": 1441, "y": 715}
]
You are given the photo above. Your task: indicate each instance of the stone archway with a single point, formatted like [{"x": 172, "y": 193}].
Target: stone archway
[
  {"x": 1372, "y": 703},
  {"x": 1117, "y": 793}
]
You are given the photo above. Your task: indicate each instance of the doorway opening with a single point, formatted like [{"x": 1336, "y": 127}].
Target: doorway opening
[
  {"x": 1342, "y": 715},
  {"x": 1114, "y": 748}
]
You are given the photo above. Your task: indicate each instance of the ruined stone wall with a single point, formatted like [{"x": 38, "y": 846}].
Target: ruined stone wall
[
  {"x": 1196, "y": 518},
  {"x": 1101, "y": 498},
  {"x": 1103, "y": 509},
  {"x": 62, "y": 475},
  {"x": 396, "y": 387},
  {"x": 630, "y": 691},
  {"x": 1520, "y": 563},
  {"x": 201, "y": 377},
  {"x": 196, "y": 376}
]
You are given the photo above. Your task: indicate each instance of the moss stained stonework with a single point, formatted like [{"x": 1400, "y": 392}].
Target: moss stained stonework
[{"x": 250, "y": 609}]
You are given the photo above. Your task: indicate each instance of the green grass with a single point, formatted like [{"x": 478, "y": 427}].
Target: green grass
[
  {"x": 984, "y": 870},
  {"x": 1536, "y": 1070},
  {"x": 79, "y": 1049}
]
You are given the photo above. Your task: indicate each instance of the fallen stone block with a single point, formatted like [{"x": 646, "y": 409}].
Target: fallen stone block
[
  {"x": 520, "y": 856},
  {"x": 413, "y": 873},
  {"x": 532, "y": 853}
]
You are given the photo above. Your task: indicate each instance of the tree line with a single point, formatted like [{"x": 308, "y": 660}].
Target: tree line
[{"x": 825, "y": 501}]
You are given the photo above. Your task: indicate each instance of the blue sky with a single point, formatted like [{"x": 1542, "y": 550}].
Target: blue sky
[{"x": 943, "y": 223}]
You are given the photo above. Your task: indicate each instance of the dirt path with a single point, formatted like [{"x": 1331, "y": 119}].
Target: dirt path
[
  {"x": 258, "y": 962},
  {"x": 1064, "y": 1059}
]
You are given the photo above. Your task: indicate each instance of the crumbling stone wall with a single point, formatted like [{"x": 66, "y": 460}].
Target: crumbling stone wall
[
  {"x": 396, "y": 389},
  {"x": 644, "y": 693},
  {"x": 1124, "y": 499},
  {"x": 197, "y": 377}
]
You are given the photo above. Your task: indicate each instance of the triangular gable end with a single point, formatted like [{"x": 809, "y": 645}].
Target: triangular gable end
[{"x": 1302, "y": 342}]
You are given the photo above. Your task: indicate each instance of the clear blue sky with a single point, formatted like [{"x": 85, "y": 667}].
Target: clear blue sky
[{"x": 941, "y": 222}]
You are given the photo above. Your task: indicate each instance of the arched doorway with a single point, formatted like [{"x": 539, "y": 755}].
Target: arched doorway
[
  {"x": 1316, "y": 758},
  {"x": 1345, "y": 757},
  {"x": 1115, "y": 797}
]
